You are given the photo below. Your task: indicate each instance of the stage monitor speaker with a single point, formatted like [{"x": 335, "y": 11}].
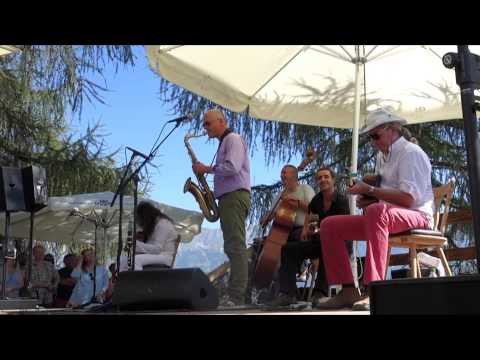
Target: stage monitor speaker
[
  {"x": 426, "y": 296},
  {"x": 164, "y": 289},
  {"x": 11, "y": 190},
  {"x": 35, "y": 187}
]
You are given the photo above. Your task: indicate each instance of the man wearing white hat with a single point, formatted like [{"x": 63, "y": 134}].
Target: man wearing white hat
[{"x": 405, "y": 201}]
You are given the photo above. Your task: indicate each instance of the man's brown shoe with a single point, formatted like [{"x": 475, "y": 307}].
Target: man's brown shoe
[
  {"x": 362, "y": 305},
  {"x": 345, "y": 298}
]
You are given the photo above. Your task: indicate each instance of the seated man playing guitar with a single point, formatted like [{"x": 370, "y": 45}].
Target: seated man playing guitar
[{"x": 405, "y": 202}]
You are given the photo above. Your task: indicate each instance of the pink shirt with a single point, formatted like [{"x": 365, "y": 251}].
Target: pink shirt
[{"x": 232, "y": 166}]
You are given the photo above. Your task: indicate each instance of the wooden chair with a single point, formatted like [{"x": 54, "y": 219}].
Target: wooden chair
[
  {"x": 415, "y": 239},
  {"x": 161, "y": 266},
  {"x": 177, "y": 244}
]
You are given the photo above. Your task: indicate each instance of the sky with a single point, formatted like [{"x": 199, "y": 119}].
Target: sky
[{"x": 133, "y": 116}]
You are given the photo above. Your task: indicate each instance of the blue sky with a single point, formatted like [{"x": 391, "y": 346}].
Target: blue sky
[{"x": 134, "y": 115}]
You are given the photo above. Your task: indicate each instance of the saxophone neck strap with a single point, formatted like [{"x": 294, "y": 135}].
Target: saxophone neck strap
[{"x": 224, "y": 135}]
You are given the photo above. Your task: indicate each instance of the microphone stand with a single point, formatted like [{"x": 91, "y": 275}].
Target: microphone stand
[
  {"x": 467, "y": 74},
  {"x": 121, "y": 188}
]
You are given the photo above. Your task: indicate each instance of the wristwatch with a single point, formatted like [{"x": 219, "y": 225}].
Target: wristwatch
[{"x": 371, "y": 189}]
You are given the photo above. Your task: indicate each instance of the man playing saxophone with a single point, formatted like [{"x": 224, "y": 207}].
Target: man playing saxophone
[{"x": 231, "y": 186}]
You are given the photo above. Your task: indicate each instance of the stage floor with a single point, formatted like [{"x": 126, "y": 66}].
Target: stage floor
[{"x": 245, "y": 311}]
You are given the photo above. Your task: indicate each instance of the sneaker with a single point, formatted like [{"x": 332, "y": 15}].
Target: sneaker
[
  {"x": 282, "y": 300},
  {"x": 362, "y": 305},
  {"x": 345, "y": 299}
]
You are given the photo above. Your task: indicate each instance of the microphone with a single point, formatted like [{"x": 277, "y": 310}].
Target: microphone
[
  {"x": 138, "y": 152},
  {"x": 180, "y": 119}
]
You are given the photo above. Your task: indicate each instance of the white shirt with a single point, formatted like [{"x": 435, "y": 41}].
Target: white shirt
[
  {"x": 161, "y": 242},
  {"x": 303, "y": 193},
  {"x": 407, "y": 168}
]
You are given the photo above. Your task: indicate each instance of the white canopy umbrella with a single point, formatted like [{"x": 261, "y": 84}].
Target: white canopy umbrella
[
  {"x": 7, "y": 49},
  {"x": 55, "y": 222},
  {"x": 316, "y": 84}
]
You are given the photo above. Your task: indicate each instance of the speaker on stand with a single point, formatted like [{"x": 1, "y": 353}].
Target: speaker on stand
[
  {"x": 34, "y": 180},
  {"x": 11, "y": 200}
]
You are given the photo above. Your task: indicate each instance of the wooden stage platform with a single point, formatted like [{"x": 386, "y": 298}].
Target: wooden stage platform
[{"x": 221, "y": 311}]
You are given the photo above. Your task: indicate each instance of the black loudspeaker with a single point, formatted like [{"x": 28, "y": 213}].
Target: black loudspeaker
[
  {"x": 11, "y": 190},
  {"x": 164, "y": 289},
  {"x": 426, "y": 296},
  {"x": 35, "y": 187}
]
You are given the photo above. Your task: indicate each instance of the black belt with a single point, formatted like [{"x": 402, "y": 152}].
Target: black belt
[{"x": 242, "y": 190}]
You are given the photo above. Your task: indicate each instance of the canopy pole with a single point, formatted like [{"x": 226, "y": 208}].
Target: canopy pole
[
  {"x": 467, "y": 75},
  {"x": 359, "y": 68}
]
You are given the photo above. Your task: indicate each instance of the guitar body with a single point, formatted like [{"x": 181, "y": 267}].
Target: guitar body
[
  {"x": 373, "y": 180},
  {"x": 268, "y": 260}
]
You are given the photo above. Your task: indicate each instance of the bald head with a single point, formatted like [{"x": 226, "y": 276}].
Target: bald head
[
  {"x": 214, "y": 123},
  {"x": 216, "y": 114}
]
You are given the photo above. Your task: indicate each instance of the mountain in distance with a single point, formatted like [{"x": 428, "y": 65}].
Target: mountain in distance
[{"x": 205, "y": 251}]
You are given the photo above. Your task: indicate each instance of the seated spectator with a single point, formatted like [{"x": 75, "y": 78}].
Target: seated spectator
[
  {"x": 14, "y": 279},
  {"x": 44, "y": 277},
  {"x": 82, "y": 293},
  {"x": 67, "y": 282}
]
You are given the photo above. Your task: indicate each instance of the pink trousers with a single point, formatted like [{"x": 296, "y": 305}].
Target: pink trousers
[{"x": 378, "y": 221}]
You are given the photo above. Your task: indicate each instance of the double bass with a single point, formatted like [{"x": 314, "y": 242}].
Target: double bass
[{"x": 283, "y": 215}]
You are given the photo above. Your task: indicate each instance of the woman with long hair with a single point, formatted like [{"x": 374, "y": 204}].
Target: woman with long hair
[
  {"x": 83, "y": 274},
  {"x": 159, "y": 237}
]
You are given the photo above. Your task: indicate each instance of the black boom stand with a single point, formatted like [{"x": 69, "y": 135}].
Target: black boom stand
[{"x": 467, "y": 74}]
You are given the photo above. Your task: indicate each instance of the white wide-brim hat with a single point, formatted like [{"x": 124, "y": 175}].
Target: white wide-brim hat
[{"x": 380, "y": 117}]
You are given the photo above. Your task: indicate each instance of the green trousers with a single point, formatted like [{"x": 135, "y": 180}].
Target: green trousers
[{"x": 233, "y": 209}]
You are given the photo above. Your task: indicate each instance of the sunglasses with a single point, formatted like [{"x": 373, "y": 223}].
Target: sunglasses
[{"x": 376, "y": 135}]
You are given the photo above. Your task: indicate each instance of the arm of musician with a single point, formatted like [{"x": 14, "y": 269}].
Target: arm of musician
[
  {"x": 304, "y": 234},
  {"x": 162, "y": 235},
  {"x": 234, "y": 159},
  {"x": 200, "y": 168},
  {"x": 393, "y": 196},
  {"x": 362, "y": 202},
  {"x": 147, "y": 248},
  {"x": 265, "y": 219}
]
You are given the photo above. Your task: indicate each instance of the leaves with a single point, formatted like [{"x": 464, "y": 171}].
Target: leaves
[{"x": 38, "y": 87}]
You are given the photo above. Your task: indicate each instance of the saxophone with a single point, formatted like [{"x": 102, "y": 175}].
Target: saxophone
[{"x": 201, "y": 192}]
